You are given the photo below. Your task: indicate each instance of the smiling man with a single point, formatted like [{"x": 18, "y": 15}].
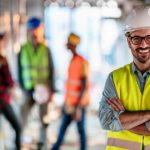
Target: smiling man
[{"x": 125, "y": 105}]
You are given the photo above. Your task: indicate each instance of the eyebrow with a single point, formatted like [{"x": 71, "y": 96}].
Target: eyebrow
[{"x": 132, "y": 35}]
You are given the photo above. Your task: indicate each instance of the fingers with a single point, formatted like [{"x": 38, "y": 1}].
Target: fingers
[
  {"x": 116, "y": 104},
  {"x": 113, "y": 105}
]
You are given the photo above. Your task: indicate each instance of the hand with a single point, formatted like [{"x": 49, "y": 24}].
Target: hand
[
  {"x": 50, "y": 97},
  {"x": 16, "y": 92},
  {"x": 78, "y": 114},
  {"x": 115, "y": 104},
  {"x": 3, "y": 61}
]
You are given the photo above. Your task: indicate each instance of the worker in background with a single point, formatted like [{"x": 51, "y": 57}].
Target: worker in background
[
  {"x": 36, "y": 72},
  {"x": 77, "y": 94},
  {"x": 6, "y": 87},
  {"x": 125, "y": 108}
]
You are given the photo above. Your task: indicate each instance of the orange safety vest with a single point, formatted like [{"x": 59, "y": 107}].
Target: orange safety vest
[{"x": 77, "y": 69}]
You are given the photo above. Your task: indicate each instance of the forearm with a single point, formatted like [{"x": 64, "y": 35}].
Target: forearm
[
  {"x": 141, "y": 129},
  {"x": 130, "y": 120},
  {"x": 109, "y": 119},
  {"x": 80, "y": 96},
  {"x": 83, "y": 89}
]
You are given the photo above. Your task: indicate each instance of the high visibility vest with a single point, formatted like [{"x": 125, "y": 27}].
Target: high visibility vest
[
  {"x": 132, "y": 99},
  {"x": 77, "y": 69},
  {"x": 34, "y": 65}
]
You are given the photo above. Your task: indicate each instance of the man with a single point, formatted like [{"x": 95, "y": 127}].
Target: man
[
  {"x": 36, "y": 70},
  {"x": 77, "y": 95},
  {"x": 6, "y": 86},
  {"x": 125, "y": 107}
]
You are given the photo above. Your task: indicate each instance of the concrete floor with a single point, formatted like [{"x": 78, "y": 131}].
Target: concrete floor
[{"x": 95, "y": 135}]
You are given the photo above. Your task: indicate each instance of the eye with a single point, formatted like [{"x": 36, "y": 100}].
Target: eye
[
  {"x": 136, "y": 39},
  {"x": 147, "y": 38}
]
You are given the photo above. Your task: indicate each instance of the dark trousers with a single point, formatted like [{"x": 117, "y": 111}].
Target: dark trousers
[
  {"x": 9, "y": 114},
  {"x": 25, "y": 112},
  {"x": 66, "y": 120},
  {"x": 27, "y": 106}
]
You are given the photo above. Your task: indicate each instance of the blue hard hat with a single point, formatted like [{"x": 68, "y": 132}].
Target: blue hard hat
[{"x": 33, "y": 23}]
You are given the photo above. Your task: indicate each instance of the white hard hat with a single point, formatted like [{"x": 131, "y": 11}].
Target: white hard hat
[{"x": 139, "y": 18}]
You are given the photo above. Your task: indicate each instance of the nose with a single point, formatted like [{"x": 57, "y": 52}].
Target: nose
[{"x": 143, "y": 44}]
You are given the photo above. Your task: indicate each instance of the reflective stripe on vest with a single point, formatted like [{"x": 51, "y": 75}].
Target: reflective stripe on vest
[
  {"x": 73, "y": 93},
  {"x": 74, "y": 85},
  {"x": 147, "y": 147},
  {"x": 133, "y": 100},
  {"x": 124, "y": 144},
  {"x": 34, "y": 65},
  {"x": 38, "y": 67},
  {"x": 74, "y": 82}
]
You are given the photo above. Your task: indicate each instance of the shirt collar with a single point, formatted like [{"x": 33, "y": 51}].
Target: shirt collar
[{"x": 135, "y": 69}]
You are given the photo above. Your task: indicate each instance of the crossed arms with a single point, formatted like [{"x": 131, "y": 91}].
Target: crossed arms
[
  {"x": 132, "y": 121},
  {"x": 114, "y": 117}
]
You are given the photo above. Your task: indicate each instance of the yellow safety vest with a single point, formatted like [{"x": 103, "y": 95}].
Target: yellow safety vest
[
  {"x": 35, "y": 65},
  {"x": 131, "y": 97}
]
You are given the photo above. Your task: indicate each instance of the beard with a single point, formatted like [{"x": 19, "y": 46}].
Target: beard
[{"x": 142, "y": 54}]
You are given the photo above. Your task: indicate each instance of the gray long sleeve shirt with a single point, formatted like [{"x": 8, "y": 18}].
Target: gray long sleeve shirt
[{"x": 109, "y": 118}]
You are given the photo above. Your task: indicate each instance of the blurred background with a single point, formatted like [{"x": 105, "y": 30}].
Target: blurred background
[{"x": 100, "y": 25}]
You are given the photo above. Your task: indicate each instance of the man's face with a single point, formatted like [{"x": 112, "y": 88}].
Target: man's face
[
  {"x": 71, "y": 47},
  {"x": 140, "y": 50},
  {"x": 2, "y": 43},
  {"x": 33, "y": 34},
  {"x": 37, "y": 34}
]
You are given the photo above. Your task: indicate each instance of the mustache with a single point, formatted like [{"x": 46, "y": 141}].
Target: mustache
[{"x": 140, "y": 48}]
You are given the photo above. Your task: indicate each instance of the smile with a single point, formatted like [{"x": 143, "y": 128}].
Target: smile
[{"x": 144, "y": 51}]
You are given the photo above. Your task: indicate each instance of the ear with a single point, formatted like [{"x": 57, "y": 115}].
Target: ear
[{"x": 129, "y": 42}]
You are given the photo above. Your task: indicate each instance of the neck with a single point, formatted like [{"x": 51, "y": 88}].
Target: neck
[
  {"x": 74, "y": 54},
  {"x": 142, "y": 67},
  {"x": 35, "y": 44}
]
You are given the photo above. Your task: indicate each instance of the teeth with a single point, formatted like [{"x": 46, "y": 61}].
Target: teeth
[{"x": 143, "y": 51}]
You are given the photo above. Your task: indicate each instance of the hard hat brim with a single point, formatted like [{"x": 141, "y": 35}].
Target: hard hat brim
[{"x": 135, "y": 29}]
